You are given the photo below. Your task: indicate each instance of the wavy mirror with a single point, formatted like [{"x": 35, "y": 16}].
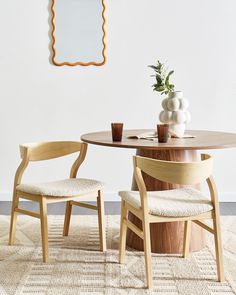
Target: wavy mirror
[{"x": 78, "y": 32}]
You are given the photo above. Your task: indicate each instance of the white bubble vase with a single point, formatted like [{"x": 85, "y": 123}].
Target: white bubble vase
[{"x": 175, "y": 113}]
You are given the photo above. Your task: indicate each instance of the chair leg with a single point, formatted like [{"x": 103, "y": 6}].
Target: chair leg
[
  {"x": 101, "y": 223},
  {"x": 44, "y": 228},
  {"x": 67, "y": 218},
  {"x": 218, "y": 249},
  {"x": 187, "y": 238},
  {"x": 123, "y": 232},
  {"x": 13, "y": 219},
  {"x": 147, "y": 253}
]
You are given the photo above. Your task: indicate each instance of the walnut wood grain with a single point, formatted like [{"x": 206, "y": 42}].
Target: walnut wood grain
[
  {"x": 203, "y": 140},
  {"x": 165, "y": 237}
]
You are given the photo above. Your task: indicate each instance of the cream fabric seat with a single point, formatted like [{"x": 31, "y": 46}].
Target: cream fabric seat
[
  {"x": 172, "y": 203},
  {"x": 62, "y": 188}
]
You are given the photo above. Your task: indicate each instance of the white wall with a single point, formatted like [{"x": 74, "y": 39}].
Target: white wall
[{"x": 42, "y": 102}]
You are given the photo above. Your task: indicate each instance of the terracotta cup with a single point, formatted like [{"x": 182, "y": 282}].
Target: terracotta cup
[
  {"x": 116, "y": 130},
  {"x": 163, "y": 132}
]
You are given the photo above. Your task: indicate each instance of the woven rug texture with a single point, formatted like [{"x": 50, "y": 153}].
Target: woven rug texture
[{"x": 78, "y": 267}]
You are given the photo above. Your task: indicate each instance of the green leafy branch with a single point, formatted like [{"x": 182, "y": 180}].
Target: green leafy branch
[{"x": 162, "y": 76}]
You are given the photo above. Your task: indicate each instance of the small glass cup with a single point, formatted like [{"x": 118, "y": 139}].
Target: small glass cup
[
  {"x": 163, "y": 132},
  {"x": 116, "y": 130}
]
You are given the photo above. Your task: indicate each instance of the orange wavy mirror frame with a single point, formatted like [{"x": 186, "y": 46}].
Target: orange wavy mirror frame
[{"x": 78, "y": 32}]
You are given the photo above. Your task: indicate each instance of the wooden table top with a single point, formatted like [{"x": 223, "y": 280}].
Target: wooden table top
[{"x": 203, "y": 140}]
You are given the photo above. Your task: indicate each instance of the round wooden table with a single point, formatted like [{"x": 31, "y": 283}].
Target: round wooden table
[{"x": 165, "y": 237}]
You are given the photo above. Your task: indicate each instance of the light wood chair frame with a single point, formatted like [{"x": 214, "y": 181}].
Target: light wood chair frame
[
  {"x": 46, "y": 151},
  {"x": 176, "y": 173}
]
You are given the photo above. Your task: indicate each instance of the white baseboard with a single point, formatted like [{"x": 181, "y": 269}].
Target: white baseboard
[
  {"x": 5, "y": 196},
  {"x": 227, "y": 197},
  {"x": 113, "y": 197}
]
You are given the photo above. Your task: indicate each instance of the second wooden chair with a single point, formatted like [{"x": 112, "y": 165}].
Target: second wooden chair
[{"x": 184, "y": 204}]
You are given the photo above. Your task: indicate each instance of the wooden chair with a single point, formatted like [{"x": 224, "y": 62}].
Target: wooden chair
[
  {"x": 184, "y": 204},
  {"x": 69, "y": 190}
]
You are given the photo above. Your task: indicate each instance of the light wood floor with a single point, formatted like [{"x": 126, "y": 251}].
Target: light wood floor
[{"x": 111, "y": 208}]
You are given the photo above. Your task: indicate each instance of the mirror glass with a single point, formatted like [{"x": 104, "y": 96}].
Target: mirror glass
[{"x": 78, "y": 32}]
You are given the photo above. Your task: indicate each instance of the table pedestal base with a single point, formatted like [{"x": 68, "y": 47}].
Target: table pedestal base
[{"x": 165, "y": 237}]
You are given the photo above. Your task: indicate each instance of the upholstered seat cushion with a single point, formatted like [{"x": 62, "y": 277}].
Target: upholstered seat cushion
[
  {"x": 173, "y": 203},
  {"x": 62, "y": 188}
]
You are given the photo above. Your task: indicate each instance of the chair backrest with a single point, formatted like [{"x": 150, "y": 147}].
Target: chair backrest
[
  {"x": 49, "y": 150},
  {"x": 185, "y": 173}
]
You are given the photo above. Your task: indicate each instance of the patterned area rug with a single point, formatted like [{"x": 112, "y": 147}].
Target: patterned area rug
[{"x": 77, "y": 267}]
